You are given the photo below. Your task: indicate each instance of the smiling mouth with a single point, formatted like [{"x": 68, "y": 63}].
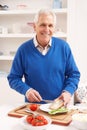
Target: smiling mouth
[{"x": 45, "y": 34}]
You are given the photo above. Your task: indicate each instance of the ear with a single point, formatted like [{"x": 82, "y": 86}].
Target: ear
[
  {"x": 34, "y": 26},
  {"x": 54, "y": 31}
]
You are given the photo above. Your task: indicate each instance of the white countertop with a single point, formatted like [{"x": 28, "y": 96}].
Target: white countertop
[{"x": 12, "y": 123}]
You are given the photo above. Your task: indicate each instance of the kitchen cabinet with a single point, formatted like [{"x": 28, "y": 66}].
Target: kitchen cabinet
[{"x": 16, "y": 26}]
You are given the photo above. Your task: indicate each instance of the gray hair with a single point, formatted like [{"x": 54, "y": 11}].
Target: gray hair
[{"x": 45, "y": 11}]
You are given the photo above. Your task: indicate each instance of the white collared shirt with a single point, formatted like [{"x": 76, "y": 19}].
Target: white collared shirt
[{"x": 40, "y": 48}]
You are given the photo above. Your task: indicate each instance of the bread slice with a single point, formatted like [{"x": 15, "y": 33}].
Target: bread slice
[{"x": 56, "y": 104}]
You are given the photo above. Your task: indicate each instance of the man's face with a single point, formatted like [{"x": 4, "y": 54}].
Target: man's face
[{"x": 44, "y": 29}]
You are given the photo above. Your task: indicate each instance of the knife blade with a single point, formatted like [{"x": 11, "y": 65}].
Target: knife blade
[{"x": 48, "y": 101}]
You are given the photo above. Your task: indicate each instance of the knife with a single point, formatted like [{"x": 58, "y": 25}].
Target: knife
[
  {"x": 47, "y": 101},
  {"x": 31, "y": 112}
]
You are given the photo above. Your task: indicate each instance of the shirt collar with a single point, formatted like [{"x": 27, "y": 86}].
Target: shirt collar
[{"x": 37, "y": 44}]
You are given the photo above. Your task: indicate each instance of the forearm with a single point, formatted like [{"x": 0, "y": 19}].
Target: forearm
[
  {"x": 18, "y": 85},
  {"x": 71, "y": 83}
]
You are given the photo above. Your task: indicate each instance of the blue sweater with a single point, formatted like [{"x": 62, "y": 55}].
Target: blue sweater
[{"x": 49, "y": 74}]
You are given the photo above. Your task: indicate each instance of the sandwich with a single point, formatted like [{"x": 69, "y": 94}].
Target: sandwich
[{"x": 56, "y": 104}]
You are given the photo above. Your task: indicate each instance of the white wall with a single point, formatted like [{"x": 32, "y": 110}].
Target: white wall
[{"x": 78, "y": 34}]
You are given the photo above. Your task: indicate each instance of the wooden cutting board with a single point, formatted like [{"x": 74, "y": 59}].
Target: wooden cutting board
[{"x": 61, "y": 119}]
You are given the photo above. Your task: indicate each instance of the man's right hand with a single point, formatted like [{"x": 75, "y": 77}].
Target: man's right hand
[{"x": 33, "y": 96}]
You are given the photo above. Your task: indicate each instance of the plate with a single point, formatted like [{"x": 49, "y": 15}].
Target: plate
[
  {"x": 45, "y": 107},
  {"x": 28, "y": 126}
]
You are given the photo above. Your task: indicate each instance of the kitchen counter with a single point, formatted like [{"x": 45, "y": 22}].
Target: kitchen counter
[{"x": 12, "y": 123}]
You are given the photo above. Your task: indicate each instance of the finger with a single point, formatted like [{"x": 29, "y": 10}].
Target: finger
[
  {"x": 30, "y": 95},
  {"x": 60, "y": 98},
  {"x": 37, "y": 96},
  {"x": 34, "y": 96}
]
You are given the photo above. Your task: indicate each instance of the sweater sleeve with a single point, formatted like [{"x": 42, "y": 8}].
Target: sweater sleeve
[
  {"x": 15, "y": 77},
  {"x": 72, "y": 74}
]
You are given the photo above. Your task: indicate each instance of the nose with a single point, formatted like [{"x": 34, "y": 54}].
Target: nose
[{"x": 46, "y": 28}]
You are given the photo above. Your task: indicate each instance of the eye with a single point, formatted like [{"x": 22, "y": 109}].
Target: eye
[
  {"x": 42, "y": 25},
  {"x": 51, "y": 25}
]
